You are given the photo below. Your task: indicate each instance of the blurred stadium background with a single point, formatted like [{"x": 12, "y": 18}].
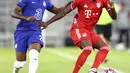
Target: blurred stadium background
[{"x": 57, "y": 40}]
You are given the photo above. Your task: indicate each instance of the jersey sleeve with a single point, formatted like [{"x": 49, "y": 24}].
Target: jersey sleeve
[
  {"x": 22, "y": 3},
  {"x": 106, "y": 4},
  {"x": 49, "y": 5},
  {"x": 74, "y": 5}
]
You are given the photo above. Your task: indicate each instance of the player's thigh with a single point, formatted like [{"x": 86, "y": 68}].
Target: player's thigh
[
  {"x": 97, "y": 41},
  {"x": 21, "y": 49},
  {"x": 100, "y": 44},
  {"x": 35, "y": 41},
  {"x": 35, "y": 45},
  {"x": 21, "y": 56},
  {"x": 84, "y": 43},
  {"x": 80, "y": 37}
]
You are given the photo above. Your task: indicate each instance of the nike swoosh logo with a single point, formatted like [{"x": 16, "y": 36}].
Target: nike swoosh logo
[{"x": 33, "y": 2}]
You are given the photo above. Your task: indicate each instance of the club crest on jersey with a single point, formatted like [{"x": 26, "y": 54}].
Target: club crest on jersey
[
  {"x": 44, "y": 3},
  {"x": 84, "y": 34},
  {"x": 15, "y": 46},
  {"x": 98, "y": 5}
]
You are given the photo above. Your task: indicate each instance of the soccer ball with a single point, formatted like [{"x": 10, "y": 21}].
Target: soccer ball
[{"x": 109, "y": 71}]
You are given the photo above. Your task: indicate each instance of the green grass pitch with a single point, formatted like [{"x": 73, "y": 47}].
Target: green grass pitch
[{"x": 62, "y": 60}]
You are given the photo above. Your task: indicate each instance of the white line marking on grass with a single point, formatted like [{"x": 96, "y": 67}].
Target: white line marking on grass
[{"x": 68, "y": 56}]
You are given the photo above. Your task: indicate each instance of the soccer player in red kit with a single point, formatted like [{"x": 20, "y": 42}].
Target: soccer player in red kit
[{"x": 82, "y": 34}]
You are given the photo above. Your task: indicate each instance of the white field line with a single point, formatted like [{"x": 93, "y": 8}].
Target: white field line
[{"x": 68, "y": 56}]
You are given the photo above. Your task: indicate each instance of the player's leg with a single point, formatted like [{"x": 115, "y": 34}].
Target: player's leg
[
  {"x": 34, "y": 50},
  {"x": 83, "y": 43},
  {"x": 127, "y": 38},
  {"x": 107, "y": 35},
  {"x": 20, "y": 61},
  {"x": 86, "y": 50},
  {"x": 20, "y": 48},
  {"x": 102, "y": 53},
  {"x": 120, "y": 46},
  {"x": 35, "y": 44},
  {"x": 98, "y": 43},
  {"x": 121, "y": 33}
]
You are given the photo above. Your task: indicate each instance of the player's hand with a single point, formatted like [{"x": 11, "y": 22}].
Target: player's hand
[
  {"x": 31, "y": 18},
  {"x": 42, "y": 25},
  {"x": 111, "y": 4}
]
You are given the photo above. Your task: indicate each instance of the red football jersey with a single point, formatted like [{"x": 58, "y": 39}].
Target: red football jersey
[{"x": 89, "y": 12}]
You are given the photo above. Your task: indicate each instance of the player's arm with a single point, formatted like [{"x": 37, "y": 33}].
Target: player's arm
[
  {"x": 56, "y": 10},
  {"x": 112, "y": 12},
  {"x": 16, "y": 14},
  {"x": 65, "y": 10}
]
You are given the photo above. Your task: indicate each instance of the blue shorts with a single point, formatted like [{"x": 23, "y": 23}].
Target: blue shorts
[{"x": 23, "y": 39}]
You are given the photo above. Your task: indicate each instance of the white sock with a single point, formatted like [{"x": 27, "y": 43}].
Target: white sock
[
  {"x": 18, "y": 65},
  {"x": 33, "y": 64}
]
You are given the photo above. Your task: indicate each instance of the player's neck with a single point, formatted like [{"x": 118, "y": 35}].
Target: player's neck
[{"x": 94, "y": 0}]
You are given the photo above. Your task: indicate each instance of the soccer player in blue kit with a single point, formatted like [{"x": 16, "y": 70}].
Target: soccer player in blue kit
[{"x": 27, "y": 35}]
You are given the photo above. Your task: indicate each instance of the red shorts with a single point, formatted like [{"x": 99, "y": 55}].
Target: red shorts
[{"x": 79, "y": 34}]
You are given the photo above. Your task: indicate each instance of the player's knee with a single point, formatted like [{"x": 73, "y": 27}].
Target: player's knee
[
  {"x": 19, "y": 64},
  {"x": 33, "y": 55},
  {"x": 88, "y": 48},
  {"x": 105, "y": 48}
]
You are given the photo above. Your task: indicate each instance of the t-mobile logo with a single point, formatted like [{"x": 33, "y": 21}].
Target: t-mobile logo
[{"x": 87, "y": 13}]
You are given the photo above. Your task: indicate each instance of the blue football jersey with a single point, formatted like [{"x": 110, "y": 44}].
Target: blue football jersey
[{"x": 34, "y": 8}]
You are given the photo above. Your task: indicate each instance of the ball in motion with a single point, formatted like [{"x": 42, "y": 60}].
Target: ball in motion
[{"x": 109, "y": 71}]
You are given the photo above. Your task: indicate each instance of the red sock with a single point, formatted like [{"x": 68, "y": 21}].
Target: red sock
[
  {"x": 82, "y": 58},
  {"x": 100, "y": 57}
]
